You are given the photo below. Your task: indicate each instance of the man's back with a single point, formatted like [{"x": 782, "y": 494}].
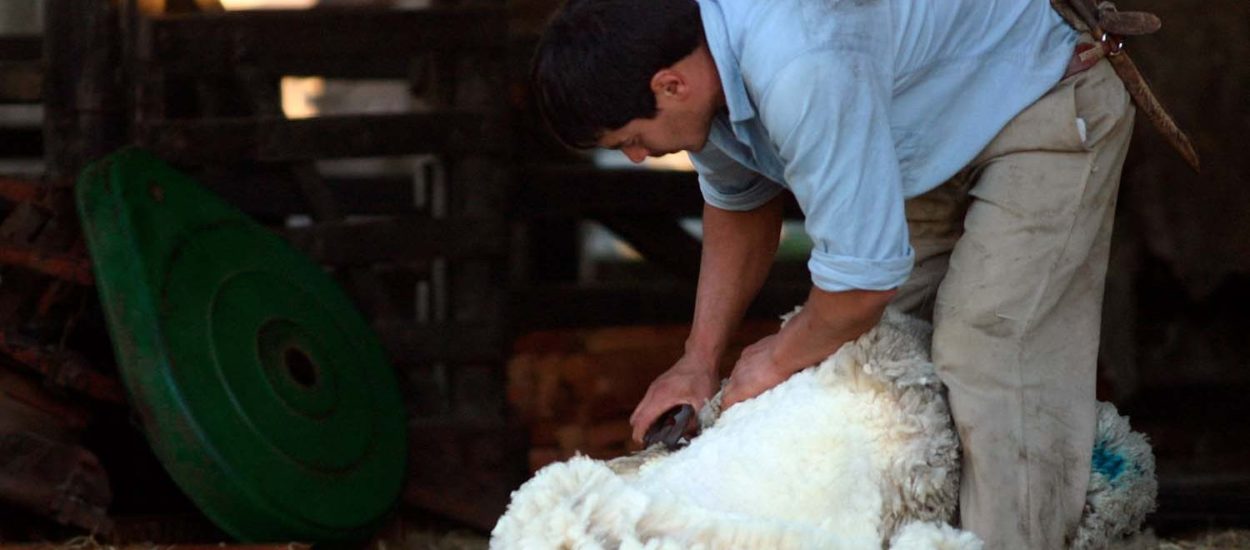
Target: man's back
[{"x": 952, "y": 72}]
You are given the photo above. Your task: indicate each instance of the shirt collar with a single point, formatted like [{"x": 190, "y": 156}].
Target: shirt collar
[{"x": 718, "y": 44}]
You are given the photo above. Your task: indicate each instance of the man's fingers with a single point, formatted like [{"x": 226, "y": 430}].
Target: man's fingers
[
  {"x": 644, "y": 419},
  {"x": 729, "y": 399},
  {"x": 633, "y": 418},
  {"x": 642, "y": 406}
]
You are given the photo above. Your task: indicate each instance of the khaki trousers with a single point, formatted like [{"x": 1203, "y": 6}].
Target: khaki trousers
[{"x": 1011, "y": 255}]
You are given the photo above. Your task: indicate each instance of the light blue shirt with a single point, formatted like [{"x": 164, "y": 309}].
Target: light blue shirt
[{"x": 855, "y": 105}]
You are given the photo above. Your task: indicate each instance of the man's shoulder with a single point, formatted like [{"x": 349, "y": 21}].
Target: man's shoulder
[{"x": 766, "y": 36}]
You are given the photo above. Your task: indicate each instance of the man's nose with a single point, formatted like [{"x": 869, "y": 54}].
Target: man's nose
[{"x": 636, "y": 153}]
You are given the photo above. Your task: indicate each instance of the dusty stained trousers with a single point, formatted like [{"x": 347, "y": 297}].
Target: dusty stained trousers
[{"x": 1011, "y": 256}]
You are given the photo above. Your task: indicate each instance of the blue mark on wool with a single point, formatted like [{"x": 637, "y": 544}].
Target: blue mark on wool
[{"x": 1108, "y": 462}]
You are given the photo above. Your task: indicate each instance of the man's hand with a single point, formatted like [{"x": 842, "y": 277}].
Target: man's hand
[
  {"x": 828, "y": 320},
  {"x": 754, "y": 373},
  {"x": 687, "y": 382}
]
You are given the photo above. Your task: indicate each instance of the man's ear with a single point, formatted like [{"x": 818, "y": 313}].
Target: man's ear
[{"x": 670, "y": 84}]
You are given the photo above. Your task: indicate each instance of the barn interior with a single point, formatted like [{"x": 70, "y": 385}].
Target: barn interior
[{"x": 521, "y": 295}]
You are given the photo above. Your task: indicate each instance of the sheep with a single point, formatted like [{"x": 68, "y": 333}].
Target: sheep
[{"x": 857, "y": 452}]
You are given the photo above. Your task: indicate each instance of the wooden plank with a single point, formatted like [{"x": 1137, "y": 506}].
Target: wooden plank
[
  {"x": 266, "y": 191},
  {"x": 579, "y": 191},
  {"x": 476, "y": 186},
  {"x": 548, "y": 251},
  {"x": 450, "y": 342},
  {"x": 355, "y": 43},
  {"x": 660, "y": 239},
  {"x": 21, "y": 81},
  {"x": 360, "y": 243},
  {"x": 275, "y": 139},
  {"x": 21, "y": 47},
  {"x": 19, "y": 142},
  {"x": 562, "y": 306},
  {"x": 84, "y": 95},
  {"x": 583, "y": 191}
]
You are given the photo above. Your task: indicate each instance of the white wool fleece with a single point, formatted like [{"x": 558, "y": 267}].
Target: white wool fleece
[
  {"x": 838, "y": 456},
  {"x": 857, "y": 452}
]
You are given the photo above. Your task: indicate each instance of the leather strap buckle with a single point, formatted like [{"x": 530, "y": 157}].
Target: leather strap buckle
[{"x": 1111, "y": 44}]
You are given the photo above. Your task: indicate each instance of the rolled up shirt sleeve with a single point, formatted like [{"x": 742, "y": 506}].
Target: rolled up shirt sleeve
[
  {"x": 728, "y": 185},
  {"x": 826, "y": 113}
]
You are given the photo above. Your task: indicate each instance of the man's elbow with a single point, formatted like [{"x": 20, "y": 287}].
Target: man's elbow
[
  {"x": 858, "y": 308},
  {"x": 872, "y": 305},
  {"x": 881, "y": 298}
]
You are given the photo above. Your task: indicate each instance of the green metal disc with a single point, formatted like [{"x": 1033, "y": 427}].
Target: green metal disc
[{"x": 263, "y": 392}]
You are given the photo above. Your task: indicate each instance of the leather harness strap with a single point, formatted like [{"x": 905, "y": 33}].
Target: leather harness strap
[
  {"x": 1086, "y": 56},
  {"x": 1106, "y": 24}
]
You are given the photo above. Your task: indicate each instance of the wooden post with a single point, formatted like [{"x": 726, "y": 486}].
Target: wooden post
[{"x": 84, "y": 93}]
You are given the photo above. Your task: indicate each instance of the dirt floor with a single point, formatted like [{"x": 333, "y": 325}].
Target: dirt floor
[{"x": 1210, "y": 540}]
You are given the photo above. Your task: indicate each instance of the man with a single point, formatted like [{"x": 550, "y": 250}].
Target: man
[{"x": 961, "y": 108}]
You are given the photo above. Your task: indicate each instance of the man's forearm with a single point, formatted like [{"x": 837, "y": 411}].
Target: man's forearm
[
  {"x": 828, "y": 320},
  {"x": 738, "y": 250}
]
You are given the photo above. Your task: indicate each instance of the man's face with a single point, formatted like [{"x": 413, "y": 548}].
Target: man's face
[{"x": 677, "y": 126}]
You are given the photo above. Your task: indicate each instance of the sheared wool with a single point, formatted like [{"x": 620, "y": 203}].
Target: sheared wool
[{"x": 857, "y": 452}]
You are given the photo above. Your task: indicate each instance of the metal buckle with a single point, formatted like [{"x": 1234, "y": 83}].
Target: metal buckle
[{"x": 1112, "y": 44}]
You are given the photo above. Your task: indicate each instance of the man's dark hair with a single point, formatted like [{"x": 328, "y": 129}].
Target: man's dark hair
[{"x": 592, "y": 70}]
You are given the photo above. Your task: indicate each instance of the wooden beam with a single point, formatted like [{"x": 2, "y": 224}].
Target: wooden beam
[
  {"x": 21, "y": 47},
  {"x": 353, "y": 43},
  {"x": 21, "y": 81},
  {"x": 264, "y": 192},
  {"x": 84, "y": 91},
  {"x": 276, "y": 139},
  {"x": 580, "y": 191},
  {"x": 562, "y": 306},
  {"x": 583, "y": 191},
  {"x": 450, "y": 342},
  {"x": 660, "y": 239},
  {"x": 20, "y": 142},
  {"x": 360, "y": 243}
]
